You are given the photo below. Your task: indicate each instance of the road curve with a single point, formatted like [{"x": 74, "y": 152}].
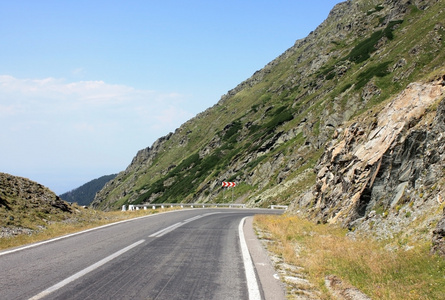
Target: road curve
[{"x": 187, "y": 254}]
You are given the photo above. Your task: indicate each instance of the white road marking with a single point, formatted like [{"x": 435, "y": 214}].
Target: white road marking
[
  {"x": 84, "y": 271},
  {"x": 166, "y": 230},
  {"x": 69, "y": 235},
  {"x": 179, "y": 224},
  {"x": 252, "y": 284},
  {"x": 194, "y": 218}
]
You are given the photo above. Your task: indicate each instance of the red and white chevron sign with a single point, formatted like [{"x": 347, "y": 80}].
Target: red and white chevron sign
[{"x": 228, "y": 184}]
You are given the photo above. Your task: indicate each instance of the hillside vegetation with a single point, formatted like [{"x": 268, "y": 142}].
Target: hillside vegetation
[{"x": 345, "y": 127}]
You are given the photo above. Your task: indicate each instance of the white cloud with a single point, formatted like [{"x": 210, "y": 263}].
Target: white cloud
[
  {"x": 50, "y": 123},
  {"x": 93, "y": 100}
]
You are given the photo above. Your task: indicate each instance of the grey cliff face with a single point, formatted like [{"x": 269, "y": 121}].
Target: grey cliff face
[{"x": 382, "y": 173}]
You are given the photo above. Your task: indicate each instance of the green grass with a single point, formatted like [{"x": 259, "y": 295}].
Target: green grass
[
  {"x": 278, "y": 120},
  {"x": 365, "y": 48},
  {"x": 380, "y": 70},
  {"x": 233, "y": 129}
]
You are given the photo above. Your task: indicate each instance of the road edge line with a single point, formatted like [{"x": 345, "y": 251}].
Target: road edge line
[
  {"x": 252, "y": 283},
  {"x": 20, "y": 248}
]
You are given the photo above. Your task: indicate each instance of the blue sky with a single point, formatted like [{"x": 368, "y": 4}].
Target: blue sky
[{"x": 84, "y": 85}]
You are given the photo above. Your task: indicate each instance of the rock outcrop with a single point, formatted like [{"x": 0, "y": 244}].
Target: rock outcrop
[
  {"x": 380, "y": 155},
  {"x": 25, "y": 205},
  {"x": 386, "y": 168}
]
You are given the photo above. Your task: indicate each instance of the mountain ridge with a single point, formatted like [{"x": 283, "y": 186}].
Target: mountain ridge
[{"x": 272, "y": 133}]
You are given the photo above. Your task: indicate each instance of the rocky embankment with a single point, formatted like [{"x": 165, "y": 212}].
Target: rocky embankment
[
  {"x": 27, "y": 206},
  {"x": 383, "y": 174}
]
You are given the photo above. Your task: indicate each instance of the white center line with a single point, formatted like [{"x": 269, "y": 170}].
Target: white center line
[
  {"x": 84, "y": 271},
  {"x": 166, "y": 230},
  {"x": 179, "y": 224}
]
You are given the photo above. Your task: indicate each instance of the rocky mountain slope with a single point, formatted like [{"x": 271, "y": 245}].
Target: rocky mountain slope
[
  {"x": 345, "y": 126},
  {"x": 26, "y": 206}
]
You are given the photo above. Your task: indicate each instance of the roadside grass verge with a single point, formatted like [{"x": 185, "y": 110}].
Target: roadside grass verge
[
  {"x": 83, "y": 220},
  {"x": 324, "y": 250}
]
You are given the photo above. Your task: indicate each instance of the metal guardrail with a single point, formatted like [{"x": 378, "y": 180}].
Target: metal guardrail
[
  {"x": 191, "y": 205},
  {"x": 279, "y": 207}
]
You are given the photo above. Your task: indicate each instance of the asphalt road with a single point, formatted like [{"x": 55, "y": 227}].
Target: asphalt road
[{"x": 187, "y": 254}]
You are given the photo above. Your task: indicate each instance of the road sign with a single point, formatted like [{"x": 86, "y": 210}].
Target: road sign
[{"x": 228, "y": 184}]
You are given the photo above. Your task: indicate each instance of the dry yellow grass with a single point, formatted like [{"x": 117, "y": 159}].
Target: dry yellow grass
[
  {"x": 366, "y": 264},
  {"x": 86, "y": 219}
]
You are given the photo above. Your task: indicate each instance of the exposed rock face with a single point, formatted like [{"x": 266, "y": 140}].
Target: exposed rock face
[
  {"x": 145, "y": 156},
  {"x": 439, "y": 231},
  {"x": 387, "y": 166},
  {"x": 354, "y": 164}
]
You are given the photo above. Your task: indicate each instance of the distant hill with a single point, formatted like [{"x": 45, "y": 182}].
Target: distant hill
[{"x": 84, "y": 194}]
